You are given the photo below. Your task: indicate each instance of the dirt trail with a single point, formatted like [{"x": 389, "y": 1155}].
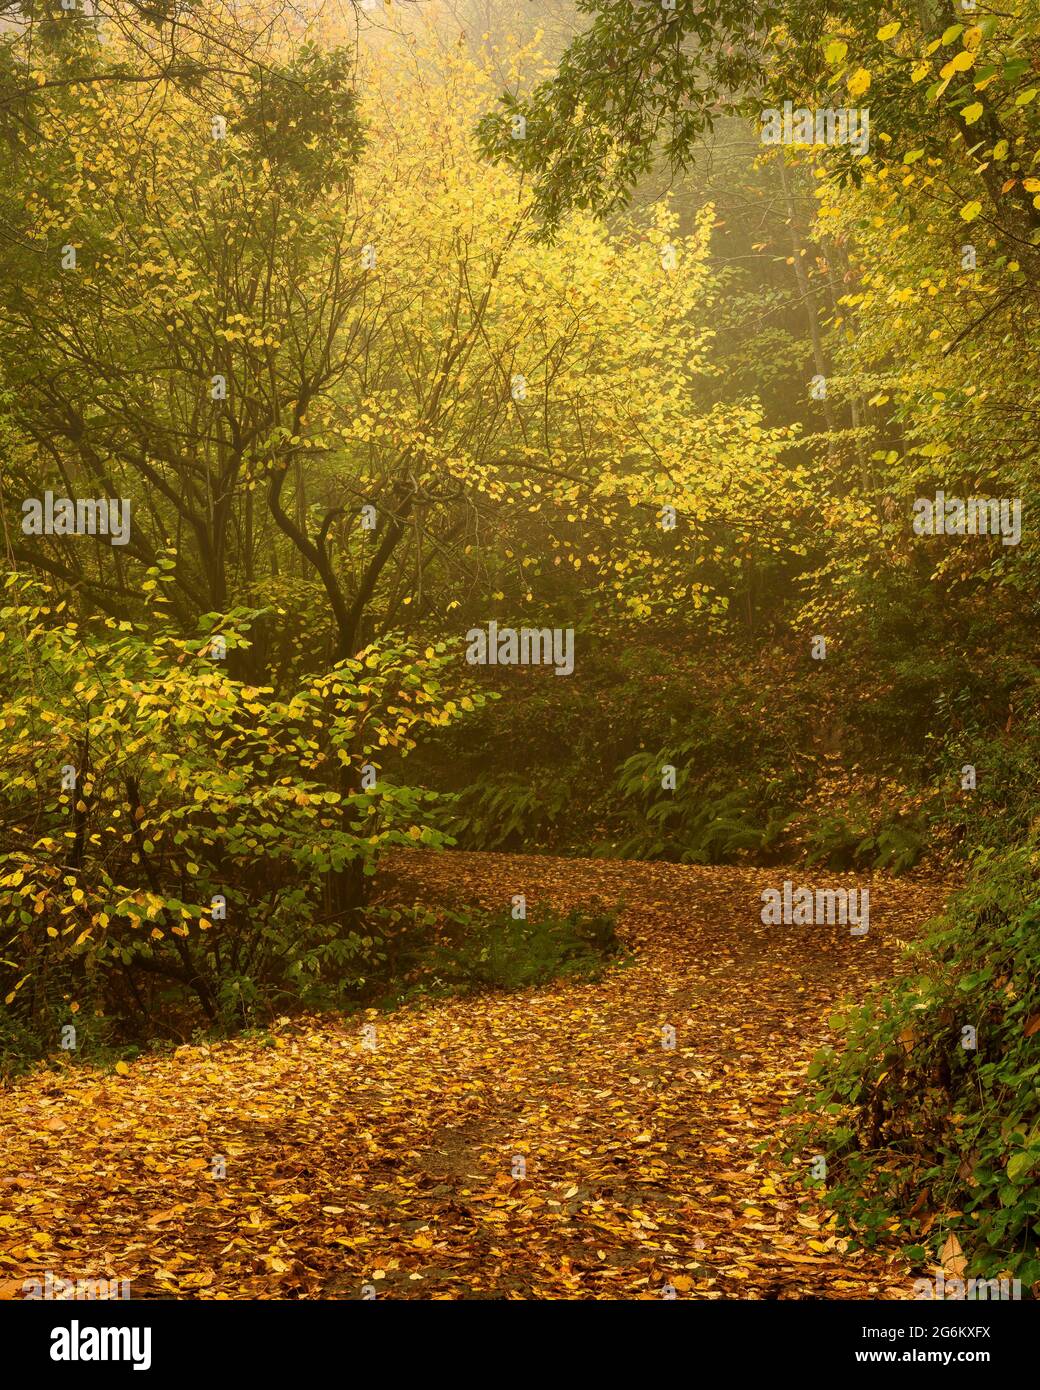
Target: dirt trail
[{"x": 391, "y": 1166}]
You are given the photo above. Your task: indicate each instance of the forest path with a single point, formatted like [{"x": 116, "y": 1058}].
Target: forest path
[{"x": 391, "y": 1166}]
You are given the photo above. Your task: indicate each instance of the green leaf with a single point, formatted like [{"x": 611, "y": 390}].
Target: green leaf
[{"x": 1021, "y": 1163}]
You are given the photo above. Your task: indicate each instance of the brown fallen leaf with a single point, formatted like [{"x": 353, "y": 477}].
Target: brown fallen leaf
[
  {"x": 157, "y": 1218},
  {"x": 954, "y": 1261}
]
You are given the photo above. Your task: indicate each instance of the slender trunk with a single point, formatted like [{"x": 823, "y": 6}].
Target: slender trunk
[{"x": 805, "y": 290}]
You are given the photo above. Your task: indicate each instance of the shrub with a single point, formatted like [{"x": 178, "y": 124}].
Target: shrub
[
  {"x": 175, "y": 840},
  {"x": 704, "y": 820},
  {"x": 453, "y": 951},
  {"x": 919, "y": 1124},
  {"x": 504, "y": 954},
  {"x": 506, "y": 812},
  {"x": 867, "y": 837}
]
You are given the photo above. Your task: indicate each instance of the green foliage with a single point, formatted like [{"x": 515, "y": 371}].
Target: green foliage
[
  {"x": 593, "y": 160},
  {"x": 513, "y": 955},
  {"x": 703, "y": 821},
  {"x": 508, "y": 812},
  {"x": 866, "y": 838},
  {"x": 450, "y": 951},
  {"x": 190, "y": 788},
  {"x": 302, "y": 117},
  {"x": 912, "y": 1120},
  {"x": 754, "y": 779}
]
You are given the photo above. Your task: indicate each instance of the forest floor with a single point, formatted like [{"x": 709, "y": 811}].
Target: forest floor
[{"x": 391, "y": 1165}]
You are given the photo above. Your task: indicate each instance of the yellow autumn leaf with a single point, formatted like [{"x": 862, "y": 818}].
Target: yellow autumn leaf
[
  {"x": 859, "y": 82},
  {"x": 834, "y": 51}
]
